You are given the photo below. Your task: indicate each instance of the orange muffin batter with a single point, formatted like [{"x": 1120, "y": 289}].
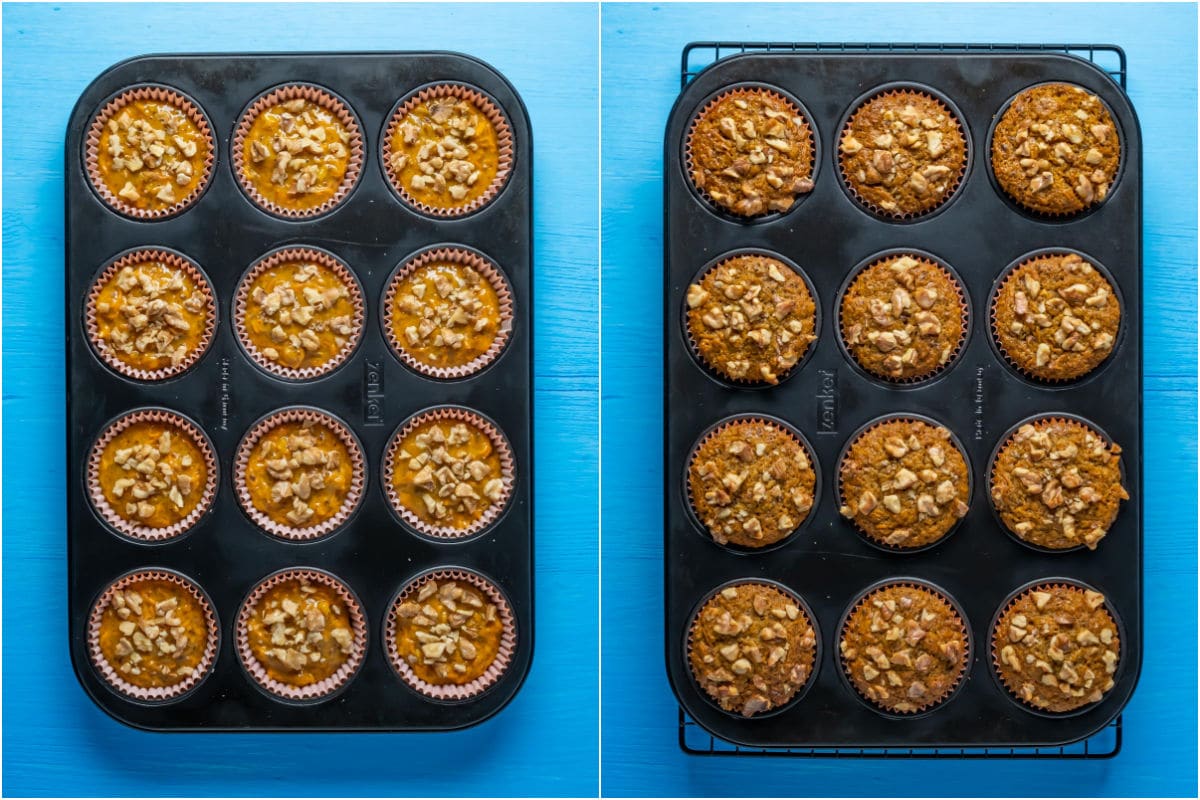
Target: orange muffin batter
[
  {"x": 152, "y": 155},
  {"x": 296, "y": 154},
  {"x": 299, "y": 474},
  {"x": 153, "y": 474},
  {"x": 298, "y": 314},
  {"x": 448, "y": 633},
  {"x": 153, "y": 633},
  {"x": 445, "y": 153},
  {"x": 300, "y": 633},
  {"x": 445, "y": 315},
  {"x": 448, "y": 473}
]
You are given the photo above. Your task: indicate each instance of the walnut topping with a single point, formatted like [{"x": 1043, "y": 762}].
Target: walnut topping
[
  {"x": 299, "y": 314},
  {"x": 305, "y": 627},
  {"x": 149, "y": 149},
  {"x": 449, "y": 631},
  {"x": 151, "y": 315},
  {"x": 446, "y": 149},
  {"x": 156, "y": 481},
  {"x": 450, "y": 472},
  {"x": 304, "y": 471},
  {"x": 155, "y": 645},
  {"x": 299, "y": 146},
  {"x": 445, "y": 314}
]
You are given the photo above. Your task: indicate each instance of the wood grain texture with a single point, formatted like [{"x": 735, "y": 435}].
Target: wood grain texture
[
  {"x": 55, "y": 741},
  {"x": 640, "y": 48}
]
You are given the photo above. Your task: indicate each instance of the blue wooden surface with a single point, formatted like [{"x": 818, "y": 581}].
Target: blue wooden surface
[
  {"x": 640, "y": 53},
  {"x": 55, "y": 740}
]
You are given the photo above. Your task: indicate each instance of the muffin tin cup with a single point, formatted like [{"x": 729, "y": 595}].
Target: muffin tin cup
[
  {"x": 467, "y": 258},
  {"x": 112, "y": 677},
  {"x": 994, "y": 659},
  {"x": 287, "y": 255},
  {"x": 145, "y": 533},
  {"x": 494, "y": 114},
  {"x": 109, "y": 110},
  {"x": 451, "y": 693},
  {"x": 171, "y": 259},
  {"x": 320, "y": 690}
]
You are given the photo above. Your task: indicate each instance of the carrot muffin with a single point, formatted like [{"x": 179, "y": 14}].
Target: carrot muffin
[
  {"x": 153, "y": 634},
  {"x": 297, "y": 152},
  {"x": 1056, "y": 317},
  {"x": 904, "y": 483},
  {"x": 445, "y": 318},
  {"x": 752, "y": 648},
  {"x": 1056, "y": 149},
  {"x": 1057, "y": 647},
  {"x": 447, "y": 632},
  {"x": 751, "y": 483},
  {"x": 751, "y": 318},
  {"x": 299, "y": 632},
  {"x": 903, "y": 318},
  {"x": 448, "y": 476},
  {"x": 904, "y": 648},
  {"x": 1057, "y": 484},
  {"x": 903, "y": 153},
  {"x": 151, "y": 315},
  {"x": 299, "y": 313},
  {"x": 152, "y": 155},
  {"x": 448, "y": 148},
  {"x": 751, "y": 152}
]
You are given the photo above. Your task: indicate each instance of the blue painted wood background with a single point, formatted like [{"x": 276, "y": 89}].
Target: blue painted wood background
[
  {"x": 55, "y": 741},
  {"x": 640, "y": 52}
]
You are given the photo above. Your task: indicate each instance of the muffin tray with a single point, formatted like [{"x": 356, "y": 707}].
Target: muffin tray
[
  {"x": 375, "y": 554},
  {"x": 827, "y": 398}
]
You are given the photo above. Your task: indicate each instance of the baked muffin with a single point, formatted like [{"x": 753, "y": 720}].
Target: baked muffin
[
  {"x": 904, "y": 648},
  {"x": 1056, "y": 317},
  {"x": 1056, "y": 647},
  {"x": 1056, "y": 149},
  {"x": 904, "y": 483},
  {"x": 751, "y": 483},
  {"x": 752, "y": 648},
  {"x": 151, "y": 315},
  {"x": 751, "y": 152},
  {"x": 1056, "y": 483},
  {"x": 903, "y": 318},
  {"x": 902, "y": 153},
  {"x": 751, "y": 318}
]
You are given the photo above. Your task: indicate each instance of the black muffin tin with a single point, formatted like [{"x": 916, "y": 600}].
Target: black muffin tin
[
  {"x": 372, "y": 231},
  {"x": 827, "y": 233}
]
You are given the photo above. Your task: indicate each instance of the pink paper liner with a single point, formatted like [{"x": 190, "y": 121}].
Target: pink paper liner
[
  {"x": 322, "y": 98},
  {"x": 322, "y": 688},
  {"x": 499, "y": 442},
  {"x": 135, "y": 258},
  {"x": 494, "y": 672},
  {"x": 349, "y": 504},
  {"x": 146, "y": 533},
  {"x": 504, "y": 144},
  {"x": 112, "y": 677},
  {"x": 154, "y": 94},
  {"x": 297, "y": 255}
]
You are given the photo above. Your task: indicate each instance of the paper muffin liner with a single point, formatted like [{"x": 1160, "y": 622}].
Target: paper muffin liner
[
  {"x": 92, "y": 143},
  {"x": 964, "y": 305},
  {"x": 694, "y": 347},
  {"x": 494, "y": 672},
  {"x": 805, "y": 613},
  {"x": 995, "y": 645},
  {"x": 874, "y": 425},
  {"x": 744, "y": 91},
  {"x": 454, "y": 255},
  {"x": 962, "y": 625},
  {"x": 358, "y": 471},
  {"x": 748, "y": 419},
  {"x": 157, "y": 694},
  {"x": 1038, "y": 420},
  {"x": 1003, "y": 281},
  {"x": 174, "y": 261},
  {"x": 843, "y": 168},
  {"x": 292, "y": 255},
  {"x": 321, "y": 97},
  {"x": 483, "y": 425},
  {"x": 145, "y": 533},
  {"x": 323, "y": 688},
  {"x": 504, "y": 145}
]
